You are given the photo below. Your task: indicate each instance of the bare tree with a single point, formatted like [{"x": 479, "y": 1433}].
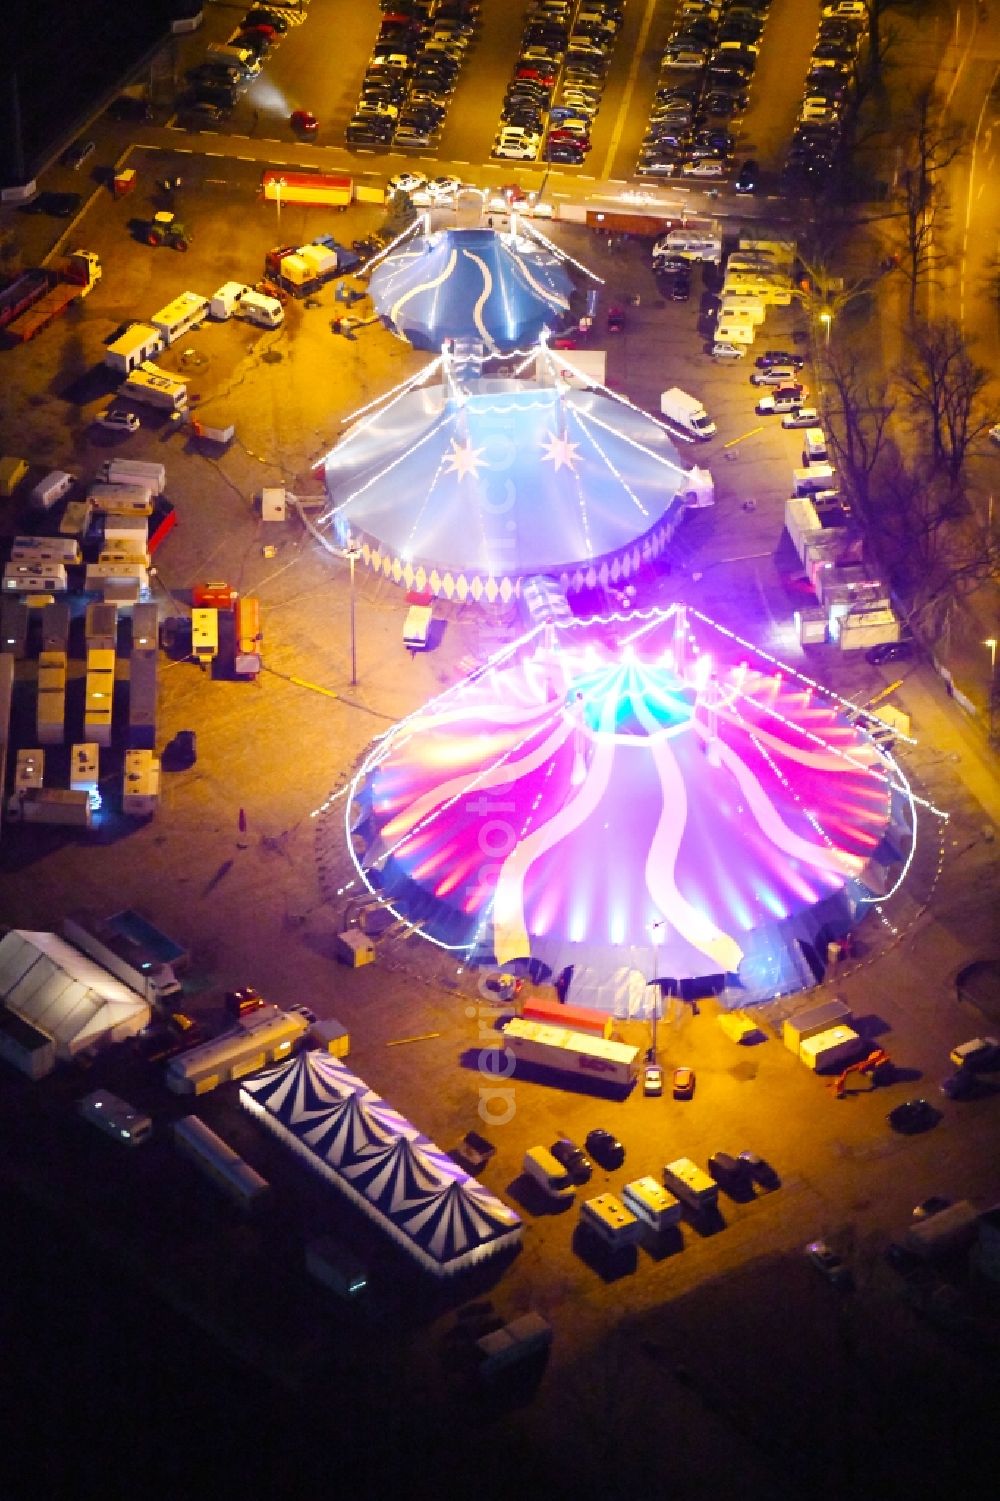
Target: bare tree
[
  {"x": 932, "y": 145},
  {"x": 943, "y": 387},
  {"x": 860, "y": 408}
]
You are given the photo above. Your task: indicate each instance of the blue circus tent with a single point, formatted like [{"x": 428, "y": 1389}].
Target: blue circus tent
[
  {"x": 471, "y": 284},
  {"x": 419, "y": 1195},
  {"x": 464, "y": 491}
]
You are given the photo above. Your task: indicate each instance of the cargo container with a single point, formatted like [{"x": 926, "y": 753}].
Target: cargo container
[
  {"x": 131, "y": 349},
  {"x": 50, "y": 722},
  {"x": 691, "y": 1184},
  {"x": 145, "y": 629},
  {"x": 84, "y": 768},
  {"x": 55, "y": 626},
  {"x": 127, "y": 960},
  {"x": 571, "y": 1053},
  {"x": 220, "y": 1164},
  {"x": 306, "y": 187}
]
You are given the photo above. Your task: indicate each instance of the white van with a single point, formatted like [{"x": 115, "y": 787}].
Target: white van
[
  {"x": 416, "y": 627},
  {"x": 651, "y": 1203},
  {"x": 267, "y": 312},
  {"x": 814, "y": 449},
  {"x": 692, "y": 244},
  {"x": 550, "y": 1175},
  {"x": 814, "y": 479},
  {"x": 50, "y": 490},
  {"x": 607, "y": 1217}
]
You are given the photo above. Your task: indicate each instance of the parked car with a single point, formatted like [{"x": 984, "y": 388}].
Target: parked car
[
  {"x": 605, "y": 1148},
  {"x": 74, "y": 156},
  {"x": 303, "y": 120},
  {"x": 59, "y": 205},
  {"x": 260, "y": 15},
  {"x": 978, "y": 1053},
  {"x": 828, "y": 1263},
  {"x": 406, "y": 182},
  {"x": 930, "y": 1206},
  {"x": 573, "y": 1159},
  {"x": 746, "y": 178},
  {"x": 684, "y": 1082},
  {"x": 723, "y": 351},
  {"x": 778, "y": 357},
  {"x": 889, "y": 651},
  {"x": 117, "y": 421},
  {"x": 760, "y": 1170},
  {"x": 913, "y": 1116},
  {"x": 652, "y": 1079},
  {"x": 802, "y": 417}
]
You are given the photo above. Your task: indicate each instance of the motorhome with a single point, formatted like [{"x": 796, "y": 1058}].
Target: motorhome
[{"x": 186, "y": 312}]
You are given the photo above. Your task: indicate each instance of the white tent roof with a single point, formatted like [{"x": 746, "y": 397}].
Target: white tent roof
[{"x": 50, "y": 984}]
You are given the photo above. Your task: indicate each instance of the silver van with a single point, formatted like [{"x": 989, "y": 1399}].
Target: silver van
[
  {"x": 814, "y": 449},
  {"x": 777, "y": 375}
]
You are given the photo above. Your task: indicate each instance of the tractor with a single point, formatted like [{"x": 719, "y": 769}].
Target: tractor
[{"x": 166, "y": 229}]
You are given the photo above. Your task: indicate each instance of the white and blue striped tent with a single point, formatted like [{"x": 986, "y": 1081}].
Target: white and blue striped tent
[{"x": 378, "y": 1159}]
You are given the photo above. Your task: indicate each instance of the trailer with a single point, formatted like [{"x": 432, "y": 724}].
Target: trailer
[
  {"x": 307, "y": 187},
  {"x": 156, "y": 389},
  {"x": 187, "y": 312},
  {"x": 813, "y": 1020},
  {"x": 134, "y": 472},
  {"x": 205, "y": 635},
  {"x": 76, "y": 278},
  {"x": 520, "y": 1339},
  {"x": 22, "y": 293},
  {"x": 248, "y": 637},
  {"x": 265, "y": 1035},
  {"x": 131, "y": 349},
  {"x": 571, "y": 1053},
  {"x": 220, "y": 1164},
  {"x": 577, "y": 1018},
  {"x": 830, "y": 1049},
  {"x": 113, "y": 1115},
  {"x": 951, "y": 1230}
]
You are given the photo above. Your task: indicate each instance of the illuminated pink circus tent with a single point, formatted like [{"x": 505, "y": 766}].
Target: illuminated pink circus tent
[
  {"x": 464, "y": 489},
  {"x": 669, "y": 802}
]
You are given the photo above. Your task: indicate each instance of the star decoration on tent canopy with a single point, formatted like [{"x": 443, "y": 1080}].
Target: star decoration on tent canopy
[
  {"x": 560, "y": 452},
  {"x": 463, "y": 459}
]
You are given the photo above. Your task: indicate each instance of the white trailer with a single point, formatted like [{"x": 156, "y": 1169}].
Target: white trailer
[
  {"x": 109, "y": 1113},
  {"x": 186, "y": 312},
  {"x": 147, "y": 384},
  {"x": 46, "y": 550},
  {"x": 226, "y": 300},
  {"x": 34, "y": 578},
  {"x": 691, "y": 1184},
  {"x": 831, "y": 1048},
  {"x": 134, "y": 472},
  {"x": 139, "y": 343},
  {"x": 571, "y": 1053},
  {"x": 132, "y": 499}
]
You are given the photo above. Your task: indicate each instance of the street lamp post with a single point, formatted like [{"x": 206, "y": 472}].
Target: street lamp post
[
  {"x": 991, "y": 642},
  {"x": 657, "y": 929},
  {"x": 353, "y": 553}
]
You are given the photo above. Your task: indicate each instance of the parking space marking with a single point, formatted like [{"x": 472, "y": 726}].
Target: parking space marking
[{"x": 743, "y": 436}]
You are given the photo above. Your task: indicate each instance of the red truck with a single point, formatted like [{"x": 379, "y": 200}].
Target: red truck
[{"x": 77, "y": 277}]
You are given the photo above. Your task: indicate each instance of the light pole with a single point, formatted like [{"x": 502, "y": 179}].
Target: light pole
[
  {"x": 656, "y": 929},
  {"x": 991, "y": 642},
  {"x": 353, "y": 554}
]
